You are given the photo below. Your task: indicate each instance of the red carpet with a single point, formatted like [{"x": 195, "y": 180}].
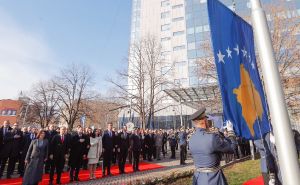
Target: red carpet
[
  {"x": 256, "y": 181},
  {"x": 84, "y": 174}
]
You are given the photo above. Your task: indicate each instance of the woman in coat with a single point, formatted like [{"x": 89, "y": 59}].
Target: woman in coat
[
  {"x": 94, "y": 152},
  {"x": 35, "y": 158}
]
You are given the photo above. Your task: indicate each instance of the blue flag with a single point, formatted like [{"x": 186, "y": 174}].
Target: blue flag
[{"x": 244, "y": 104}]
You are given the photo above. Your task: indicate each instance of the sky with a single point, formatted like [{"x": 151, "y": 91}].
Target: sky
[{"x": 38, "y": 38}]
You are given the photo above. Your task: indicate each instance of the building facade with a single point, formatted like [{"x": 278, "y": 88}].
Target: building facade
[
  {"x": 10, "y": 110},
  {"x": 182, "y": 28}
]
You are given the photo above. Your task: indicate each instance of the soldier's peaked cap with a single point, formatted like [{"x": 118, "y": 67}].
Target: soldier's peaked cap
[{"x": 199, "y": 114}]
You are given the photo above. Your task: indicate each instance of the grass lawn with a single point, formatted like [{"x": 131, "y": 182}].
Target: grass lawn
[{"x": 236, "y": 174}]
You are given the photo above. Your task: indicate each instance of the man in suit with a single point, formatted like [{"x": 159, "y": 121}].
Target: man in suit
[
  {"x": 78, "y": 152},
  {"x": 108, "y": 143},
  {"x": 28, "y": 136},
  {"x": 59, "y": 150},
  {"x": 123, "y": 145},
  {"x": 135, "y": 146},
  {"x": 49, "y": 135},
  {"x": 148, "y": 145},
  {"x": 15, "y": 149},
  {"x": 6, "y": 145}
]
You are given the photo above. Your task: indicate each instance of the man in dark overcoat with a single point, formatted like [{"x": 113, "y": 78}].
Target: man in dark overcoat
[
  {"x": 49, "y": 135},
  {"x": 108, "y": 144},
  {"x": 123, "y": 146},
  {"x": 59, "y": 150},
  {"x": 135, "y": 146},
  {"x": 7, "y": 145},
  {"x": 78, "y": 152}
]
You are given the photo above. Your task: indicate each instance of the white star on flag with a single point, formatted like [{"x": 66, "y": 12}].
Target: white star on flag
[
  {"x": 228, "y": 52},
  {"x": 253, "y": 66},
  {"x": 221, "y": 57},
  {"x": 244, "y": 52},
  {"x": 237, "y": 49}
]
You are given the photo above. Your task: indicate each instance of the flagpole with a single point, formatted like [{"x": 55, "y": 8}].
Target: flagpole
[{"x": 286, "y": 150}]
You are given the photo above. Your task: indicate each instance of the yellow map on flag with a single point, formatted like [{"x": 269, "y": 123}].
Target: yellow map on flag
[{"x": 249, "y": 98}]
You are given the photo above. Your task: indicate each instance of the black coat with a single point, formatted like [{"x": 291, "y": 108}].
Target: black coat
[
  {"x": 10, "y": 145},
  {"x": 26, "y": 140},
  {"x": 147, "y": 140},
  {"x": 50, "y": 135},
  {"x": 108, "y": 143},
  {"x": 78, "y": 149},
  {"x": 135, "y": 143},
  {"x": 58, "y": 148},
  {"x": 122, "y": 141},
  {"x": 17, "y": 143}
]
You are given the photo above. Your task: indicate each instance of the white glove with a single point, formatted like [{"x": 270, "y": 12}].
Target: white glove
[
  {"x": 272, "y": 182},
  {"x": 272, "y": 138},
  {"x": 272, "y": 179},
  {"x": 229, "y": 126}
]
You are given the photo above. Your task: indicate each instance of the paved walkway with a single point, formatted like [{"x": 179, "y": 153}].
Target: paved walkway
[{"x": 170, "y": 166}]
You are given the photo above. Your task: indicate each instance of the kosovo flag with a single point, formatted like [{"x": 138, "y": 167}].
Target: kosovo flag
[{"x": 244, "y": 104}]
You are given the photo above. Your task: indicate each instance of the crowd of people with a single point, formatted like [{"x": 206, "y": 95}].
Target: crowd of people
[{"x": 56, "y": 149}]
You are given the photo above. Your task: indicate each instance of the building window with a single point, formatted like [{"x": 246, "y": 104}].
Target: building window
[
  {"x": 177, "y": 6},
  {"x": 182, "y": 82},
  {"x": 3, "y": 112},
  {"x": 191, "y": 46},
  {"x": 206, "y": 28},
  {"x": 194, "y": 81},
  {"x": 178, "y": 19},
  {"x": 199, "y": 29},
  {"x": 165, "y": 27},
  {"x": 165, "y": 3},
  {"x": 177, "y": 48},
  {"x": 190, "y": 31},
  {"x": 180, "y": 68},
  {"x": 165, "y": 70},
  {"x": 178, "y": 33},
  {"x": 165, "y": 39},
  {"x": 14, "y": 112},
  {"x": 192, "y": 54},
  {"x": 165, "y": 15}
]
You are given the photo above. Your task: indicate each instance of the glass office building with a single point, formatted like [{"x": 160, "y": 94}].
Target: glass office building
[{"x": 182, "y": 26}]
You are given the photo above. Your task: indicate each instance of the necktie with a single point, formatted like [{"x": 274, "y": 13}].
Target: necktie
[
  {"x": 62, "y": 138},
  {"x": 109, "y": 133}
]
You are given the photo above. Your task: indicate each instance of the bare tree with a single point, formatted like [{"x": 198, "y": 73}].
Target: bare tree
[
  {"x": 143, "y": 81},
  {"x": 72, "y": 87},
  {"x": 43, "y": 105}
]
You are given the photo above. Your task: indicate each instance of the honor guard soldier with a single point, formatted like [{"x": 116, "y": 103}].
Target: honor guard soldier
[{"x": 206, "y": 148}]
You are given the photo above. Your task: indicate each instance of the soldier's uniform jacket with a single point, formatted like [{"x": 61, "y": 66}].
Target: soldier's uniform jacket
[{"x": 206, "y": 148}]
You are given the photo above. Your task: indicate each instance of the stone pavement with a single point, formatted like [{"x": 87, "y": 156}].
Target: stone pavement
[{"x": 170, "y": 166}]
